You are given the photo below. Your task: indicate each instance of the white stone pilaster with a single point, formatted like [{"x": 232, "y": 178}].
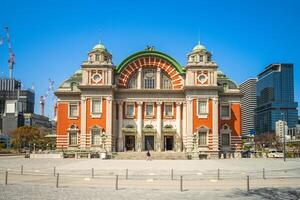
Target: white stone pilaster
[
  {"x": 139, "y": 126},
  {"x": 109, "y": 125},
  {"x": 139, "y": 78},
  {"x": 158, "y": 79},
  {"x": 215, "y": 128},
  {"x": 189, "y": 124},
  {"x": 178, "y": 126},
  {"x": 159, "y": 126},
  {"x": 120, "y": 122},
  {"x": 83, "y": 123},
  {"x": 184, "y": 136}
]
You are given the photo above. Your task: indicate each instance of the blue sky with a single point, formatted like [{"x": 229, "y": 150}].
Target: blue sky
[{"x": 52, "y": 38}]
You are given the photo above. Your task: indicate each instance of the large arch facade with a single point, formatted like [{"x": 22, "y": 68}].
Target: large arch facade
[{"x": 153, "y": 59}]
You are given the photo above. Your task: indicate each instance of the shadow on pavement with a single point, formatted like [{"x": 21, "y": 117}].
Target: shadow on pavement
[{"x": 269, "y": 193}]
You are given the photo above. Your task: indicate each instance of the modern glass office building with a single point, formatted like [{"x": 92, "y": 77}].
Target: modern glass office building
[{"x": 275, "y": 98}]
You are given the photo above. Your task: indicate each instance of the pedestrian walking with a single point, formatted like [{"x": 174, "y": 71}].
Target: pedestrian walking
[{"x": 148, "y": 156}]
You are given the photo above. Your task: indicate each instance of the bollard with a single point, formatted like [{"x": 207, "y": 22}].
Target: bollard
[
  {"x": 218, "y": 174},
  {"x": 117, "y": 182},
  {"x": 264, "y": 173},
  {"x": 92, "y": 172},
  {"x": 248, "y": 184},
  {"x": 54, "y": 171},
  {"x": 172, "y": 174},
  {"x": 57, "y": 180},
  {"x": 6, "y": 177},
  {"x": 22, "y": 170},
  {"x": 181, "y": 187},
  {"x": 126, "y": 175}
]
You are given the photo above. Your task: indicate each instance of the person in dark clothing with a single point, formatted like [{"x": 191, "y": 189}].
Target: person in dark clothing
[{"x": 148, "y": 156}]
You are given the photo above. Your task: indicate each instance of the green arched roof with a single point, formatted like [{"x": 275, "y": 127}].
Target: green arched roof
[{"x": 139, "y": 54}]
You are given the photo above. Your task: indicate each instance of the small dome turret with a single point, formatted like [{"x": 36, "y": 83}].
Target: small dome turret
[
  {"x": 99, "y": 46},
  {"x": 199, "y": 47},
  {"x": 99, "y": 54},
  {"x": 199, "y": 55}
]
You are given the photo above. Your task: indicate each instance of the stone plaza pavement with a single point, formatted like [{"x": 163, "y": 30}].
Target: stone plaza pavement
[{"x": 138, "y": 179}]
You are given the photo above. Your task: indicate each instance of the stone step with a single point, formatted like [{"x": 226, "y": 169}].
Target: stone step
[{"x": 154, "y": 156}]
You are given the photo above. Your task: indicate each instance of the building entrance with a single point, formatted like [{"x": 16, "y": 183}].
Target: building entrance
[
  {"x": 129, "y": 142},
  {"x": 149, "y": 142},
  {"x": 169, "y": 143}
]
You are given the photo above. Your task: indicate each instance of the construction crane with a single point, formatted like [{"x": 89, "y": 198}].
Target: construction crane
[
  {"x": 11, "y": 60},
  {"x": 49, "y": 92}
]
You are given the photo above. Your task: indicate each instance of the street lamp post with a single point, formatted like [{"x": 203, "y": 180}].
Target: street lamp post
[{"x": 284, "y": 157}]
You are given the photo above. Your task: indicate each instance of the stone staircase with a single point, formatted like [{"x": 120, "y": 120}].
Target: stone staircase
[{"x": 166, "y": 155}]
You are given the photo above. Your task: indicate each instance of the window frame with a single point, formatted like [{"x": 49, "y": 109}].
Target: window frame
[
  {"x": 206, "y": 138},
  {"x": 202, "y": 115},
  {"x": 149, "y": 104},
  {"x": 69, "y": 110},
  {"x": 93, "y": 114},
  {"x": 165, "y": 113},
  {"x": 229, "y": 140},
  {"x": 70, "y": 132},
  {"x": 164, "y": 76},
  {"x": 229, "y": 110},
  {"x": 153, "y": 77},
  {"x": 92, "y": 136},
  {"x": 126, "y": 109}
]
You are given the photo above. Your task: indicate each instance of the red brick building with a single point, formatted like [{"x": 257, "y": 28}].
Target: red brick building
[{"x": 149, "y": 101}]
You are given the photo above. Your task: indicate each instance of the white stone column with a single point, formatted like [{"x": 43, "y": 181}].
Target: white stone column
[
  {"x": 178, "y": 126},
  {"x": 184, "y": 141},
  {"x": 139, "y": 78},
  {"x": 83, "y": 123},
  {"x": 115, "y": 126},
  {"x": 120, "y": 122},
  {"x": 108, "y": 131},
  {"x": 159, "y": 126},
  {"x": 158, "y": 79},
  {"x": 139, "y": 126},
  {"x": 189, "y": 125},
  {"x": 215, "y": 128}
]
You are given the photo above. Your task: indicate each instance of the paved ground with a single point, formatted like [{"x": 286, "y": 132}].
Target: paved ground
[{"x": 149, "y": 180}]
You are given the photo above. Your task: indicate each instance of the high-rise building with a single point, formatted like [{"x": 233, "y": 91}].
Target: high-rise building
[
  {"x": 248, "y": 105},
  {"x": 275, "y": 98}
]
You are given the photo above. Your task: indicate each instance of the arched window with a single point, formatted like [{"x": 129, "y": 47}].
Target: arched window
[
  {"x": 149, "y": 78},
  {"x": 166, "y": 82},
  {"x": 73, "y": 86},
  {"x": 133, "y": 82}
]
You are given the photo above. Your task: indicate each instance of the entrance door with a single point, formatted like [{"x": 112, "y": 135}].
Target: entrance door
[
  {"x": 149, "y": 142},
  {"x": 129, "y": 142},
  {"x": 169, "y": 143}
]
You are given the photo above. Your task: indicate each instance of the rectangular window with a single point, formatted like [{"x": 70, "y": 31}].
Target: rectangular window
[
  {"x": 225, "y": 139},
  {"x": 73, "y": 112},
  {"x": 225, "y": 111},
  {"x": 168, "y": 110},
  {"x": 202, "y": 138},
  {"x": 96, "y": 137},
  {"x": 202, "y": 107},
  {"x": 96, "y": 106},
  {"x": 149, "y": 110},
  {"x": 130, "y": 110},
  {"x": 97, "y": 57},
  {"x": 72, "y": 138}
]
